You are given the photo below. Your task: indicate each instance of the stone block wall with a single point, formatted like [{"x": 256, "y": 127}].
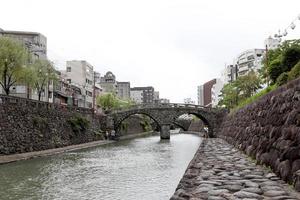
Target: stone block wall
[
  {"x": 27, "y": 125},
  {"x": 269, "y": 131}
]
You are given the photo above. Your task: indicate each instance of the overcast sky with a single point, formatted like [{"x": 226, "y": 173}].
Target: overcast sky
[{"x": 172, "y": 45}]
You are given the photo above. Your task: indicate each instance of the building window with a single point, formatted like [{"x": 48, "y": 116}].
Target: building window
[
  {"x": 69, "y": 81},
  {"x": 68, "y": 69}
]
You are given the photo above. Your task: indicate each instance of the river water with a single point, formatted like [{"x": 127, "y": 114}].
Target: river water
[{"x": 138, "y": 169}]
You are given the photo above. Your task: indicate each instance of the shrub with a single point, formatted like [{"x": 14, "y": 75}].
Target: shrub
[
  {"x": 78, "y": 123},
  {"x": 282, "y": 79},
  {"x": 295, "y": 72}
]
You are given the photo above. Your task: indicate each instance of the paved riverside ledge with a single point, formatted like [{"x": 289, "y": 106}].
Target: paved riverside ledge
[
  {"x": 219, "y": 171},
  {"x": 25, "y": 156}
]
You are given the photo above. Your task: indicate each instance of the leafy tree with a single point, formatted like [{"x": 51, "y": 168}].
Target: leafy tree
[
  {"x": 282, "y": 79},
  {"x": 295, "y": 72},
  {"x": 43, "y": 72},
  {"x": 239, "y": 90},
  {"x": 13, "y": 57},
  {"x": 282, "y": 59},
  {"x": 28, "y": 78},
  {"x": 229, "y": 95},
  {"x": 248, "y": 84},
  {"x": 109, "y": 102},
  {"x": 290, "y": 58}
]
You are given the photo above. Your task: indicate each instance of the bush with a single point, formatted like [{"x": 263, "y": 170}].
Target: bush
[
  {"x": 295, "y": 72},
  {"x": 79, "y": 123},
  {"x": 282, "y": 79},
  {"x": 290, "y": 58}
]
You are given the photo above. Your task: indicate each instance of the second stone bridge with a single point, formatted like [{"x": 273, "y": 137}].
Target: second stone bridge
[{"x": 166, "y": 114}]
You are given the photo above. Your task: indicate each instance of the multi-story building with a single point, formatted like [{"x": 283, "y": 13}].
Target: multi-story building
[
  {"x": 200, "y": 95},
  {"x": 249, "y": 60},
  {"x": 271, "y": 43},
  {"x": 204, "y": 93},
  {"x": 136, "y": 96},
  {"x": 36, "y": 43},
  {"x": 123, "y": 90},
  {"x": 142, "y": 94},
  {"x": 80, "y": 73},
  {"x": 164, "y": 100},
  {"x": 216, "y": 92},
  {"x": 229, "y": 74},
  {"x": 108, "y": 83},
  {"x": 156, "y": 97},
  {"x": 188, "y": 101}
]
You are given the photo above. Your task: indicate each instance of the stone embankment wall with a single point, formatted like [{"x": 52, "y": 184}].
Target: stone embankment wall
[
  {"x": 269, "y": 131},
  {"x": 196, "y": 126},
  {"x": 132, "y": 125},
  {"x": 27, "y": 125}
]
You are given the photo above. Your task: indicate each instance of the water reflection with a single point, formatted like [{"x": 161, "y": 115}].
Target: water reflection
[{"x": 143, "y": 168}]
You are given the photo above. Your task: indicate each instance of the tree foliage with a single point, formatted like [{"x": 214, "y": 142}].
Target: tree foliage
[
  {"x": 239, "y": 90},
  {"x": 109, "y": 102},
  {"x": 295, "y": 72},
  {"x": 282, "y": 59},
  {"x": 13, "y": 58},
  {"x": 42, "y": 73}
]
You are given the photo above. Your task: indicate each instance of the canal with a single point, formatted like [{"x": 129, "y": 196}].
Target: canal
[{"x": 138, "y": 169}]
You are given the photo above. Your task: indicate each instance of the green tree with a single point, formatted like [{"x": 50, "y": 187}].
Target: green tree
[
  {"x": 229, "y": 95},
  {"x": 239, "y": 90},
  {"x": 290, "y": 58},
  {"x": 282, "y": 59},
  {"x": 295, "y": 72},
  {"x": 109, "y": 102},
  {"x": 43, "y": 73},
  {"x": 13, "y": 58},
  {"x": 248, "y": 84}
]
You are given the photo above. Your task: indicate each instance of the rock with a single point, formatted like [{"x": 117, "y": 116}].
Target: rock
[
  {"x": 255, "y": 190},
  {"x": 274, "y": 193},
  {"x": 244, "y": 195}
]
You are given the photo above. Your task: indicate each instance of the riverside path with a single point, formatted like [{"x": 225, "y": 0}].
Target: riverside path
[{"x": 220, "y": 172}]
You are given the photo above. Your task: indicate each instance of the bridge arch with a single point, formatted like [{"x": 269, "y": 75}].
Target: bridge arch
[
  {"x": 204, "y": 117},
  {"x": 117, "y": 124}
]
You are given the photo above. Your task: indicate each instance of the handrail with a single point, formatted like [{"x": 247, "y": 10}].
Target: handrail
[{"x": 163, "y": 105}]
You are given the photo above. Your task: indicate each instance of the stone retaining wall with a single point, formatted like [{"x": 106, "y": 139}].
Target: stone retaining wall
[
  {"x": 269, "y": 131},
  {"x": 28, "y": 125}
]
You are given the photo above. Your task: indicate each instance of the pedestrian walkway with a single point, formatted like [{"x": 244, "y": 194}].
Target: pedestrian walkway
[{"x": 221, "y": 172}]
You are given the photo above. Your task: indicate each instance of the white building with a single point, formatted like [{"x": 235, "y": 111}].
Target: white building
[
  {"x": 164, "y": 100},
  {"x": 81, "y": 74},
  {"x": 123, "y": 90},
  {"x": 249, "y": 60},
  {"x": 271, "y": 43},
  {"x": 229, "y": 74},
  {"x": 36, "y": 43},
  {"x": 216, "y": 91},
  {"x": 200, "y": 95},
  {"x": 156, "y": 97},
  {"x": 136, "y": 96},
  {"x": 188, "y": 101}
]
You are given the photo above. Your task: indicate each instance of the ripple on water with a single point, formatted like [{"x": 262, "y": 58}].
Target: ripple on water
[{"x": 143, "y": 168}]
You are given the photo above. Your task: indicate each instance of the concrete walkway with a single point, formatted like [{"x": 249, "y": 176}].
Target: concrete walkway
[
  {"x": 220, "y": 172},
  {"x": 48, "y": 152}
]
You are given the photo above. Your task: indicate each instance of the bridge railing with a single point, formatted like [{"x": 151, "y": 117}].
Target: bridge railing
[{"x": 162, "y": 105}]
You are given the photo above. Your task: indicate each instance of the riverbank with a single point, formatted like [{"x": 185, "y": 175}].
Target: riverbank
[
  {"x": 24, "y": 156},
  {"x": 219, "y": 171}
]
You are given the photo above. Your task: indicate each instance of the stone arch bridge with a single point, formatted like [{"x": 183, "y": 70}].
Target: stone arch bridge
[{"x": 166, "y": 114}]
